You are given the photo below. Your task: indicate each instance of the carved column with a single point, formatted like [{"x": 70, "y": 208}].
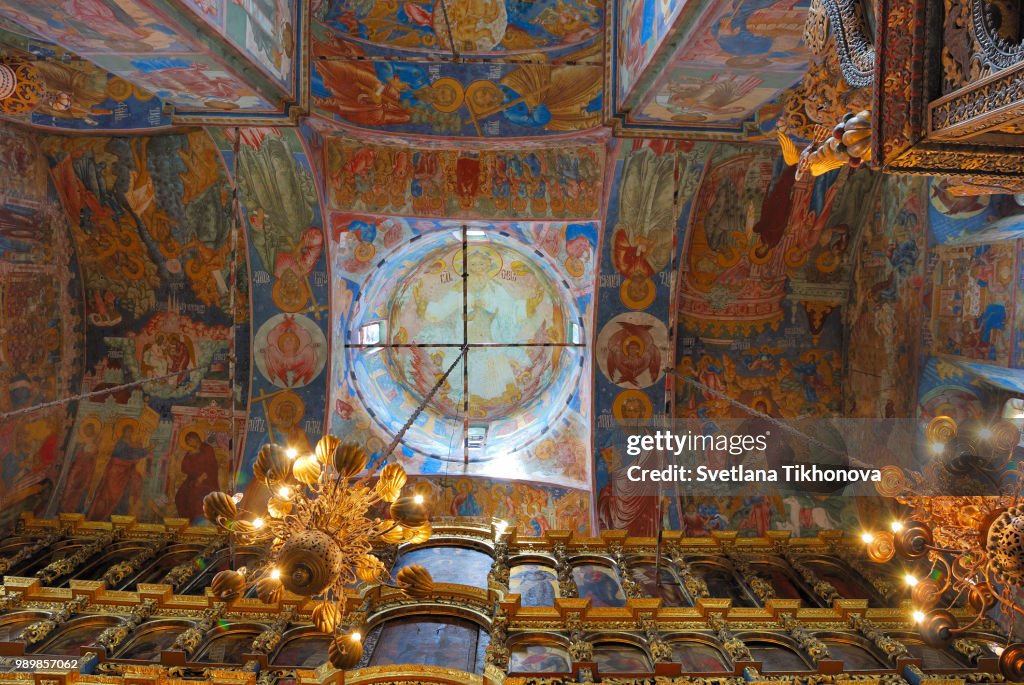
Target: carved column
[
  {"x": 694, "y": 584},
  {"x": 580, "y": 648},
  {"x": 566, "y": 584},
  {"x": 30, "y": 550},
  {"x": 69, "y": 564},
  {"x": 498, "y": 576},
  {"x": 812, "y": 646},
  {"x": 269, "y": 639},
  {"x": 497, "y": 654},
  {"x": 630, "y": 587},
  {"x": 660, "y": 650},
  {"x": 178, "y": 576},
  {"x": 38, "y": 631},
  {"x": 190, "y": 640},
  {"x": 114, "y": 636},
  {"x": 121, "y": 571},
  {"x": 824, "y": 589},
  {"x": 761, "y": 587},
  {"x": 892, "y": 648},
  {"x": 732, "y": 645}
]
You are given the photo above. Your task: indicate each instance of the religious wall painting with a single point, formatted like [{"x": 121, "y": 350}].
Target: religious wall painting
[
  {"x": 698, "y": 657},
  {"x": 690, "y": 95},
  {"x": 887, "y": 306},
  {"x": 536, "y": 584},
  {"x": 264, "y": 30},
  {"x": 440, "y": 641},
  {"x": 539, "y": 657},
  {"x": 476, "y": 25},
  {"x": 26, "y": 178},
  {"x": 642, "y": 25},
  {"x": 615, "y": 657},
  {"x": 537, "y": 184},
  {"x": 632, "y": 349},
  {"x": 973, "y": 301},
  {"x": 290, "y": 350},
  {"x": 660, "y": 583},
  {"x": 946, "y": 389},
  {"x": 450, "y": 564},
  {"x": 469, "y": 99},
  {"x": 600, "y": 584},
  {"x": 85, "y": 97},
  {"x": 303, "y": 651}
]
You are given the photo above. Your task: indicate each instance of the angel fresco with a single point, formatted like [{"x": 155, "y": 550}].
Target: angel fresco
[
  {"x": 279, "y": 197},
  {"x": 642, "y": 239},
  {"x": 632, "y": 354}
]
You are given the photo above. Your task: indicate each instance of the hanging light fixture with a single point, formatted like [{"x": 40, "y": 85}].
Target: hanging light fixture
[
  {"x": 966, "y": 523},
  {"x": 320, "y": 533}
]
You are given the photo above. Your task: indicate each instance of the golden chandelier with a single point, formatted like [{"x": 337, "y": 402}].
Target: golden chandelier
[
  {"x": 320, "y": 533},
  {"x": 966, "y": 524}
]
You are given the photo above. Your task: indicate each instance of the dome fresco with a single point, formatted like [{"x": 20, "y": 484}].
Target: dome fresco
[{"x": 414, "y": 301}]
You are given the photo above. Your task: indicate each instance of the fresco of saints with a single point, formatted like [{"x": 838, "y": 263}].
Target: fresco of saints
[
  {"x": 121, "y": 484},
  {"x": 199, "y": 465}
]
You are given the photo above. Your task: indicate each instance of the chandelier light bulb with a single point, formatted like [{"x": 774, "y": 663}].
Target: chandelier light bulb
[
  {"x": 356, "y": 636},
  {"x": 418, "y": 499},
  {"x": 897, "y": 526},
  {"x": 237, "y": 497},
  {"x": 276, "y": 574},
  {"x": 985, "y": 433},
  {"x": 910, "y": 579},
  {"x": 257, "y": 523},
  {"x": 291, "y": 453},
  {"x": 284, "y": 492},
  {"x": 867, "y": 538},
  {"x": 500, "y": 526},
  {"x": 938, "y": 448},
  {"x": 918, "y": 616}
]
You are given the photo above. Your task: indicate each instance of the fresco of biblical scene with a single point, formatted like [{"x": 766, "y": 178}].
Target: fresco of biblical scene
[
  {"x": 450, "y": 564},
  {"x": 538, "y": 184},
  {"x": 449, "y": 100},
  {"x": 155, "y": 450},
  {"x": 600, "y": 584},
  {"x": 642, "y": 25},
  {"x": 539, "y": 658},
  {"x": 887, "y": 306},
  {"x": 475, "y": 25},
  {"x": 697, "y": 657},
  {"x": 668, "y": 590},
  {"x": 510, "y": 301},
  {"x": 439, "y": 641},
  {"x": 264, "y": 30},
  {"x": 176, "y": 66},
  {"x": 973, "y": 301},
  {"x": 81, "y": 95},
  {"x": 615, "y": 657},
  {"x": 536, "y": 585},
  {"x": 40, "y": 328}
]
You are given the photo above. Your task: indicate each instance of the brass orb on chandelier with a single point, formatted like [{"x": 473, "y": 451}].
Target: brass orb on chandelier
[
  {"x": 966, "y": 519},
  {"x": 319, "y": 533}
]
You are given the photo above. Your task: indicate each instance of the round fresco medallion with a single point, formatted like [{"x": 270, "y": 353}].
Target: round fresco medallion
[
  {"x": 508, "y": 301},
  {"x": 632, "y": 405},
  {"x": 632, "y": 350},
  {"x": 291, "y": 350},
  {"x": 637, "y": 292}
]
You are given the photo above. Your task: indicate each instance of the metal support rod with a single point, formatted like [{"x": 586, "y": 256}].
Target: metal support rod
[
  {"x": 457, "y": 345},
  {"x": 465, "y": 337}
]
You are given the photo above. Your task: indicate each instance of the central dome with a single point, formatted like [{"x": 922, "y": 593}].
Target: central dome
[
  {"x": 508, "y": 302},
  {"x": 512, "y": 311}
]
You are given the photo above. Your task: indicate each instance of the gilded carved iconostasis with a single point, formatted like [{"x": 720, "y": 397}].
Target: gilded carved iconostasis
[{"x": 224, "y": 279}]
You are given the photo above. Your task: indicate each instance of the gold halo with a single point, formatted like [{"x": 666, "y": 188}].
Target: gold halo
[
  {"x": 642, "y": 303},
  {"x": 287, "y": 304},
  {"x": 181, "y": 437},
  {"x": 493, "y": 254},
  {"x": 575, "y": 266},
  {"x": 626, "y": 395},
  {"x": 365, "y": 251},
  {"x": 484, "y": 97},
  {"x": 126, "y": 421},
  {"x": 450, "y": 87},
  {"x": 276, "y": 402},
  {"x": 89, "y": 421},
  {"x": 118, "y": 89}
]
